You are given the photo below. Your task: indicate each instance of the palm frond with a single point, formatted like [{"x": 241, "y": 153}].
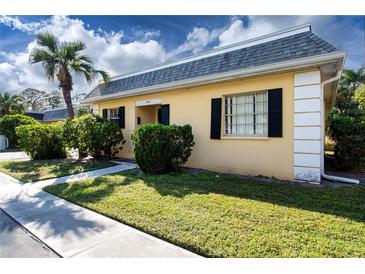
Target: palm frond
[
  {"x": 105, "y": 75},
  {"x": 85, "y": 58},
  {"x": 69, "y": 50},
  {"x": 48, "y": 40},
  {"x": 39, "y": 55}
]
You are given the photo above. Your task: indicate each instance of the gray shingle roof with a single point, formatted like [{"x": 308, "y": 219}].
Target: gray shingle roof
[
  {"x": 305, "y": 44},
  {"x": 35, "y": 115},
  {"x": 55, "y": 114}
]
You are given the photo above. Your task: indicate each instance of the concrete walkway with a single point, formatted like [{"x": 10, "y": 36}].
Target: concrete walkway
[
  {"x": 83, "y": 175},
  {"x": 13, "y": 155},
  {"x": 73, "y": 231}
]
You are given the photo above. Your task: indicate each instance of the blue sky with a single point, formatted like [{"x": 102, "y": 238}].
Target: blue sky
[{"x": 120, "y": 44}]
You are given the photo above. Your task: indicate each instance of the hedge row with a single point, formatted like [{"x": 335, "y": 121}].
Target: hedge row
[
  {"x": 157, "y": 148},
  {"x": 91, "y": 134},
  {"x": 8, "y": 124},
  {"x": 42, "y": 141}
]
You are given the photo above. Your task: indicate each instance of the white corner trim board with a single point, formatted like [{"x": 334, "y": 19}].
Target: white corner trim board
[
  {"x": 307, "y": 126},
  {"x": 307, "y": 119},
  {"x": 307, "y": 160},
  {"x": 307, "y": 146},
  {"x": 306, "y": 92},
  {"x": 307, "y": 174},
  {"x": 307, "y": 133},
  {"x": 307, "y": 78},
  {"x": 307, "y": 105}
]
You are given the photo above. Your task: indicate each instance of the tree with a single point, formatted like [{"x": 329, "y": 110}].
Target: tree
[
  {"x": 360, "y": 96},
  {"x": 345, "y": 99},
  {"x": 10, "y": 104},
  {"x": 60, "y": 60},
  {"x": 54, "y": 99},
  {"x": 78, "y": 97},
  {"x": 34, "y": 99},
  {"x": 346, "y": 125}
]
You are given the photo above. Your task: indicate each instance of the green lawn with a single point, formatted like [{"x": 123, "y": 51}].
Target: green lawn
[
  {"x": 32, "y": 171},
  {"x": 227, "y": 216}
]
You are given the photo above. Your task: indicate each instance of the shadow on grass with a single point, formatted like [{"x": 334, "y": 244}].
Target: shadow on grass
[
  {"x": 93, "y": 192},
  {"x": 348, "y": 202},
  {"x": 30, "y": 171}
]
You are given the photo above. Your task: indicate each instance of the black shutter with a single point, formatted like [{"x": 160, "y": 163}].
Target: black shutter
[
  {"x": 121, "y": 115},
  {"x": 216, "y": 118},
  {"x": 105, "y": 113},
  {"x": 165, "y": 114},
  {"x": 275, "y": 112},
  {"x": 159, "y": 116}
]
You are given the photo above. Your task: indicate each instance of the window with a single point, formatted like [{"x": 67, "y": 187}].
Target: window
[
  {"x": 246, "y": 114},
  {"x": 113, "y": 115}
]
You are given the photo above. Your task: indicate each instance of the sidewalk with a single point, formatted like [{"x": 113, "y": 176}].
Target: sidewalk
[{"x": 73, "y": 231}]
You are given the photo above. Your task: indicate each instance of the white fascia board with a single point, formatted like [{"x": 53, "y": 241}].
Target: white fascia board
[
  {"x": 236, "y": 74},
  {"x": 240, "y": 45}
]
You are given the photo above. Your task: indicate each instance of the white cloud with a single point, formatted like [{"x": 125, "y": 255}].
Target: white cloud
[
  {"x": 107, "y": 50},
  {"x": 15, "y": 23},
  {"x": 197, "y": 40},
  {"x": 237, "y": 32},
  {"x": 111, "y": 53}
]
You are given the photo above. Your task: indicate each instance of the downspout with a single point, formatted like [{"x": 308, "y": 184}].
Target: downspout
[{"x": 325, "y": 176}]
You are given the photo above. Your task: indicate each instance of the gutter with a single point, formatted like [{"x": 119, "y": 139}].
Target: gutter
[
  {"x": 323, "y": 174},
  {"x": 237, "y": 74}
]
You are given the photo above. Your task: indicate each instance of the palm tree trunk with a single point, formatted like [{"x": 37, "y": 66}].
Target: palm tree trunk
[
  {"x": 66, "y": 87},
  {"x": 67, "y": 96}
]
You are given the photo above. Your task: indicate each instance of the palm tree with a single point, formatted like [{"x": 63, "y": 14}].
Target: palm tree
[
  {"x": 352, "y": 79},
  {"x": 60, "y": 60},
  {"x": 10, "y": 104}
]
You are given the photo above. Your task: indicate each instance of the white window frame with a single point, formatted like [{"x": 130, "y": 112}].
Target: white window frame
[
  {"x": 254, "y": 113},
  {"x": 113, "y": 114}
]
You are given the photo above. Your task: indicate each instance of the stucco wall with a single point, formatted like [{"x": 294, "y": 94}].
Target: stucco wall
[{"x": 251, "y": 156}]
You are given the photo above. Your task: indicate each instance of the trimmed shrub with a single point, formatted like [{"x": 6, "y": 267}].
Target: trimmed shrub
[
  {"x": 42, "y": 141},
  {"x": 93, "y": 135},
  {"x": 160, "y": 148},
  {"x": 348, "y": 135},
  {"x": 8, "y": 124}
]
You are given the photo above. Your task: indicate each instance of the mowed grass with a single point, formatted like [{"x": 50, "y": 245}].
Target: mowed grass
[
  {"x": 32, "y": 171},
  {"x": 227, "y": 216}
]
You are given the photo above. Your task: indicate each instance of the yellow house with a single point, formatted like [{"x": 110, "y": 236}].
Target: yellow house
[{"x": 256, "y": 108}]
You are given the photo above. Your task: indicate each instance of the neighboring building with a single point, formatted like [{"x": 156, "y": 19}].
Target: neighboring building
[
  {"x": 54, "y": 115},
  {"x": 36, "y": 115},
  {"x": 51, "y": 115},
  {"x": 256, "y": 107}
]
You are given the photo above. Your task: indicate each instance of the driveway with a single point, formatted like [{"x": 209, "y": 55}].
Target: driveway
[
  {"x": 16, "y": 242},
  {"x": 13, "y": 155}
]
